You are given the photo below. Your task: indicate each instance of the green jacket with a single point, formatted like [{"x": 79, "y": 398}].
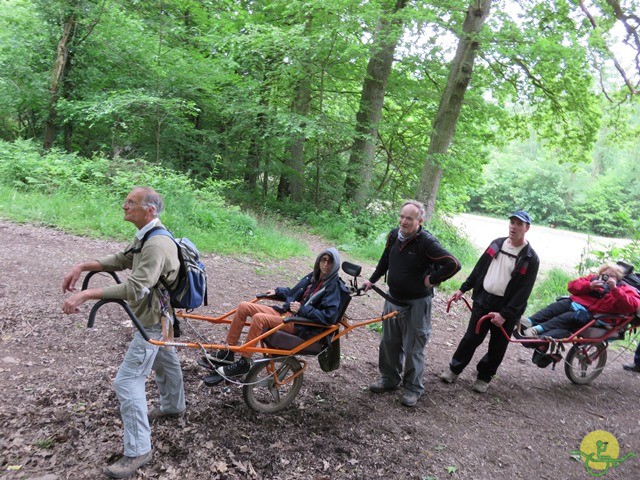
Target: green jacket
[{"x": 158, "y": 259}]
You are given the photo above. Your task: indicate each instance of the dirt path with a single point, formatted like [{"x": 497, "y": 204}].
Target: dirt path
[
  {"x": 59, "y": 415},
  {"x": 556, "y": 248}
]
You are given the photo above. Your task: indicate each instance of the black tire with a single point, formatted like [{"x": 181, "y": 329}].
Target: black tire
[
  {"x": 262, "y": 394},
  {"x": 585, "y": 362}
]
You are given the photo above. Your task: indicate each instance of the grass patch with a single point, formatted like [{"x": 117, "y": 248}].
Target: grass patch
[
  {"x": 223, "y": 230},
  {"x": 548, "y": 287}
]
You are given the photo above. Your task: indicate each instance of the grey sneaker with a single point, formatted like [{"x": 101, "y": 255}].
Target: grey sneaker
[
  {"x": 156, "y": 414},
  {"x": 530, "y": 332},
  {"x": 409, "y": 398},
  {"x": 525, "y": 322},
  {"x": 127, "y": 466},
  {"x": 481, "y": 386},
  {"x": 379, "y": 387},
  {"x": 448, "y": 376}
]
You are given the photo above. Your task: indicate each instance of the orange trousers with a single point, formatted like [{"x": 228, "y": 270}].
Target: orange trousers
[{"x": 262, "y": 317}]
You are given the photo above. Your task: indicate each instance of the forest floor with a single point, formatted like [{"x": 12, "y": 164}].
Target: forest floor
[{"x": 59, "y": 415}]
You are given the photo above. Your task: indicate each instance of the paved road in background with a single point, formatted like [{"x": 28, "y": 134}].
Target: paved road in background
[{"x": 556, "y": 248}]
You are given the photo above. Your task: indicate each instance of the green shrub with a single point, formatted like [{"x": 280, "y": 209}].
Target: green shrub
[{"x": 84, "y": 196}]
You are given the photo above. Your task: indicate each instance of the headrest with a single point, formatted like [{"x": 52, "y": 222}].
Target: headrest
[{"x": 351, "y": 269}]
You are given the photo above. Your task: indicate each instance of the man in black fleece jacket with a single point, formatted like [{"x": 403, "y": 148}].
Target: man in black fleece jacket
[{"x": 414, "y": 262}]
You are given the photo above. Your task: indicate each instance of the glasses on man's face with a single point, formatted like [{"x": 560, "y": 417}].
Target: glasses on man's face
[
  {"x": 326, "y": 260},
  {"x": 131, "y": 203}
]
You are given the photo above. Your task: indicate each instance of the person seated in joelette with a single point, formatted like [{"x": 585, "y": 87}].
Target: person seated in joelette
[
  {"x": 316, "y": 298},
  {"x": 590, "y": 295}
]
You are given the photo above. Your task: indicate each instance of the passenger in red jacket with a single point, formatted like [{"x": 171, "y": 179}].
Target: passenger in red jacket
[{"x": 590, "y": 295}]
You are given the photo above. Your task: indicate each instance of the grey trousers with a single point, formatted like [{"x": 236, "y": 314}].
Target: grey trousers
[
  {"x": 401, "y": 354},
  {"x": 140, "y": 359}
]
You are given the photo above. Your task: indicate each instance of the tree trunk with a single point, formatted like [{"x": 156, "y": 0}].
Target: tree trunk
[
  {"x": 60, "y": 69},
  {"x": 292, "y": 180},
  {"x": 444, "y": 123},
  {"x": 369, "y": 114},
  {"x": 256, "y": 148}
]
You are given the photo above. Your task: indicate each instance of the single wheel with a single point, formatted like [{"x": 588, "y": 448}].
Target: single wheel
[
  {"x": 585, "y": 362},
  {"x": 272, "y": 385}
]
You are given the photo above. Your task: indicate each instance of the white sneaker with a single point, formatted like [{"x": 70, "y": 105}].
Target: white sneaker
[
  {"x": 448, "y": 376},
  {"x": 481, "y": 386},
  {"x": 530, "y": 332}
]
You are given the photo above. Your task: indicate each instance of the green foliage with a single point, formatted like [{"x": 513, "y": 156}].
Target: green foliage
[
  {"x": 629, "y": 254},
  {"x": 85, "y": 195},
  {"x": 45, "y": 443},
  {"x": 548, "y": 287},
  {"x": 598, "y": 197}
]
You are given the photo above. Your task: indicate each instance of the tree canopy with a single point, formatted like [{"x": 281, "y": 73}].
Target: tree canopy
[{"x": 335, "y": 103}]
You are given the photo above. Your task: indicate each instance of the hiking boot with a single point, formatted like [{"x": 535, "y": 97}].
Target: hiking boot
[
  {"x": 481, "y": 386},
  {"x": 241, "y": 367},
  {"x": 379, "y": 387},
  {"x": 448, "y": 376},
  {"x": 157, "y": 414},
  {"x": 631, "y": 367},
  {"x": 127, "y": 466},
  {"x": 409, "y": 398}
]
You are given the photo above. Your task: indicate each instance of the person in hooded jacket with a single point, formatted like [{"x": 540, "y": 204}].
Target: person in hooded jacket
[{"x": 316, "y": 298}]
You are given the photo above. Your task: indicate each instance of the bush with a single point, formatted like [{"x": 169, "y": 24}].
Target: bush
[{"x": 84, "y": 195}]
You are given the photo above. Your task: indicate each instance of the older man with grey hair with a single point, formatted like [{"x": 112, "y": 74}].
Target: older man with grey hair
[
  {"x": 414, "y": 262},
  {"x": 149, "y": 261}
]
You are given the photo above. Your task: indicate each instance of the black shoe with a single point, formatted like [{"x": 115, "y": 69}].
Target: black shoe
[
  {"x": 543, "y": 360},
  {"x": 213, "y": 379},
  {"x": 221, "y": 357},
  {"x": 379, "y": 387},
  {"x": 241, "y": 367},
  {"x": 632, "y": 367}
]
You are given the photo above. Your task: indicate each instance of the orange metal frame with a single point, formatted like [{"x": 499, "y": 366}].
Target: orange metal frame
[{"x": 339, "y": 329}]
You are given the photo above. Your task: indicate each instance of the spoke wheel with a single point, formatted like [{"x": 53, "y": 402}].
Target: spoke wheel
[
  {"x": 585, "y": 362},
  {"x": 272, "y": 385}
]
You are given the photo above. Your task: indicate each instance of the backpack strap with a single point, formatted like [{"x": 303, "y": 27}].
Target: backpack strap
[{"x": 151, "y": 233}]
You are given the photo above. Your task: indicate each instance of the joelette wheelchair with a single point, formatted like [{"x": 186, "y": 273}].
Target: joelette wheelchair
[{"x": 274, "y": 380}]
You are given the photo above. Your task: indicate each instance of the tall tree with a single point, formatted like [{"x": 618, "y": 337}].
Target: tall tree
[
  {"x": 444, "y": 123},
  {"x": 71, "y": 12},
  {"x": 386, "y": 37}
]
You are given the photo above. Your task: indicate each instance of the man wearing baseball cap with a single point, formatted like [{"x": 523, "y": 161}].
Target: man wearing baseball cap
[{"x": 502, "y": 281}]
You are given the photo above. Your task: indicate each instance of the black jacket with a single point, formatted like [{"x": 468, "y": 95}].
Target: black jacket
[
  {"x": 408, "y": 263},
  {"x": 519, "y": 287}
]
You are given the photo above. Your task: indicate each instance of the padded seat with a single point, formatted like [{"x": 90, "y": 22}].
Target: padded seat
[
  {"x": 594, "y": 332},
  {"x": 287, "y": 341}
]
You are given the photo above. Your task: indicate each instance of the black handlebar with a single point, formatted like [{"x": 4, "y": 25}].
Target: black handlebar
[
  {"x": 127, "y": 308},
  {"x": 85, "y": 283},
  {"x": 122, "y": 303}
]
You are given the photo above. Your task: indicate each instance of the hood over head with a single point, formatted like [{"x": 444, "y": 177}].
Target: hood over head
[{"x": 335, "y": 267}]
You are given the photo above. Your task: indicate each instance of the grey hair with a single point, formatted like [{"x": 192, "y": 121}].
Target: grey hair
[
  {"x": 418, "y": 205},
  {"x": 152, "y": 199},
  {"x": 612, "y": 266}
]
